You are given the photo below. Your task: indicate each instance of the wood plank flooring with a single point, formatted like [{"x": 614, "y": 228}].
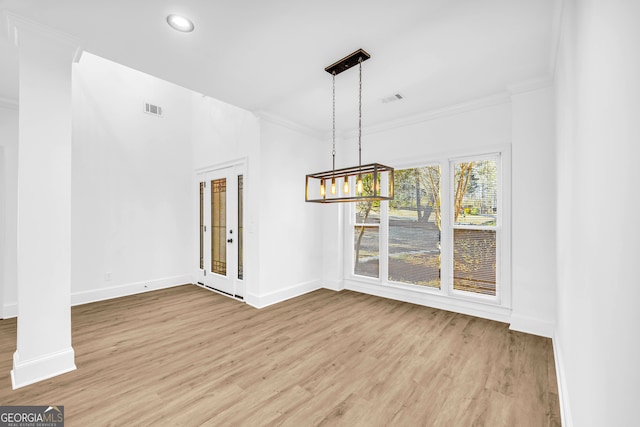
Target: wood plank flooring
[{"x": 187, "y": 356}]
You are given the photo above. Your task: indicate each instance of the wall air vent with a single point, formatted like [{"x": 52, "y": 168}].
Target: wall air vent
[
  {"x": 388, "y": 99},
  {"x": 152, "y": 109}
]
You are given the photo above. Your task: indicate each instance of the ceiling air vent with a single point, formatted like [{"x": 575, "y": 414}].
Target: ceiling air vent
[
  {"x": 393, "y": 98},
  {"x": 152, "y": 109}
]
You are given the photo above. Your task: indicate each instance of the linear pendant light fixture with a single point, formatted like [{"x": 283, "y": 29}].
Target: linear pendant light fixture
[{"x": 356, "y": 183}]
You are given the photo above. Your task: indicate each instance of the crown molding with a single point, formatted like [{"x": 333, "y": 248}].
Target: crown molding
[
  {"x": 476, "y": 104},
  {"x": 529, "y": 85},
  {"x": 450, "y": 110},
  {"x": 18, "y": 25},
  {"x": 277, "y": 120}
]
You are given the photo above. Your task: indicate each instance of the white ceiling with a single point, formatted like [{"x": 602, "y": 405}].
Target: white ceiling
[{"x": 269, "y": 56}]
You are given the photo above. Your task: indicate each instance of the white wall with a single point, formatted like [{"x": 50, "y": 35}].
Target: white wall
[
  {"x": 132, "y": 175},
  {"x": 8, "y": 206},
  {"x": 290, "y": 228},
  {"x": 533, "y": 211},
  {"x": 224, "y": 135},
  {"x": 485, "y": 125},
  {"x": 598, "y": 105}
]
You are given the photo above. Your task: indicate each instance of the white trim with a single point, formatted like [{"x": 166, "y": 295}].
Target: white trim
[
  {"x": 240, "y": 161},
  {"x": 94, "y": 295},
  {"x": 333, "y": 285},
  {"x": 427, "y": 299},
  {"x": 532, "y": 326},
  {"x": 442, "y": 157},
  {"x": 496, "y": 307},
  {"x": 475, "y": 104},
  {"x": 261, "y": 301},
  {"x": 451, "y": 110},
  {"x": 101, "y": 294},
  {"x": 32, "y": 371},
  {"x": 280, "y": 121},
  {"x": 17, "y": 23},
  {"x": 563, "y": 391},
  {"x": 10, "y": 310},
  {"x": 530, "y": 85}
]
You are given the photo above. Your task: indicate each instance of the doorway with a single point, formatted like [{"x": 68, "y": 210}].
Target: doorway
[{"x": 221, "y": 231}]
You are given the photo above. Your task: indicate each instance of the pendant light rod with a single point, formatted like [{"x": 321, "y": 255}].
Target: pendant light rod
[
  {"x": 333, "y": 152},
  {"x": 360, "y": 115}
]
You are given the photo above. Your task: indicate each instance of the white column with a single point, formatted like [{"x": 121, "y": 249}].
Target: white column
[{"x": 44, "y": 202}]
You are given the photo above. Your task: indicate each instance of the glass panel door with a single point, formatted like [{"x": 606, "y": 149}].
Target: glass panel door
[{"x": 221, "y": 230}]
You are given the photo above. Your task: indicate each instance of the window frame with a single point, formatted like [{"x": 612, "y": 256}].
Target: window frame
[
  {"x": 497, "y": 228},
  {"x": 446, "y": 296}
]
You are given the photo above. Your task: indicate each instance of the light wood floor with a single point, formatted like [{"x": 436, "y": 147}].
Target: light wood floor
[{"x": 187, "y": 356}]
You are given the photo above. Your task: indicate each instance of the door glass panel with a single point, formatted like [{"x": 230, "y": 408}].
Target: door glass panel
[
  {"x": 219, "y": 226},
  {"x": 414, "y": 227},
  {"x": 201, "y": 225},
  {"x": 240, "y": 226}
]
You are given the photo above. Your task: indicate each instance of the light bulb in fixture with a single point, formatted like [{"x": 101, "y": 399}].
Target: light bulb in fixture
[
  {"x": 333, "y": 185},
  {"x": 359, "y": 186},
  {"x": 180, "y": 23},
  {"x": 323, "y": 190},
  {"x": 345, "y": 186}
]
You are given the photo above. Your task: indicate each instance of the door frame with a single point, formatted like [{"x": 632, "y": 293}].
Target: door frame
[{"x": 238, "y": 167}]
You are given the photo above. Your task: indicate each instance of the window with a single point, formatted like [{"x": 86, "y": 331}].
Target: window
[
  {"x": 414, "y": 227},
  {"x": 475, "y": 211},
  {"x": 366, "y": 234},
  {"x": 441, "y": 234}
]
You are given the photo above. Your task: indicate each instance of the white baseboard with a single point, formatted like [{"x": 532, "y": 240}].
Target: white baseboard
[
  {"x": 84, "y": 297},
  {"x": 333, "y": 285},
  {"x": 532, "y": 326},
  {"x": 32, "y": 371},
  {"x": 10, "y": 310},
  {"x": 499, "y": 314},
  {"x": 563, "y": 395},
  {"x": 94, "y": 295},
  {"x": 261, "y": 301}
]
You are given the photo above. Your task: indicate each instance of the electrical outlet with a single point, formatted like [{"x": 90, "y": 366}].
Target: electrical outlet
[{"x": 107, "y": 277}]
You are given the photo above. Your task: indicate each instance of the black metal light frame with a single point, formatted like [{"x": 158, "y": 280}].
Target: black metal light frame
[
  {"x": 375, "y": 169},
  {"x": 381, "y": 175}
]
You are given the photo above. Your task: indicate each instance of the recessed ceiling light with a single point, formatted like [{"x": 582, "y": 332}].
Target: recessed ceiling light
[{"x": 180, "y": 23}]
